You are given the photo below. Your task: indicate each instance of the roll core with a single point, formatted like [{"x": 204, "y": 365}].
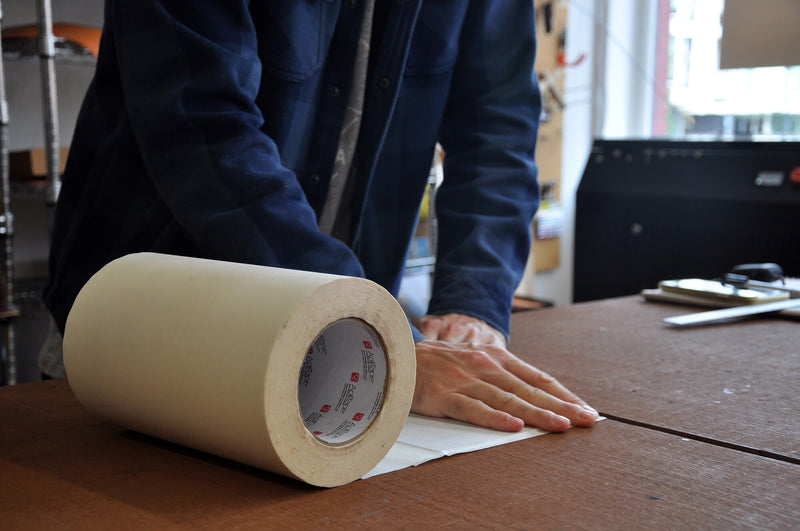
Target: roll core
[{"x": 344, "y": 371}]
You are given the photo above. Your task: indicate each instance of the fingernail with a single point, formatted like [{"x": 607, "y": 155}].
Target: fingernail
[
  {"x": 564, "y": 421},
  {"x": 588, "y": 413}
]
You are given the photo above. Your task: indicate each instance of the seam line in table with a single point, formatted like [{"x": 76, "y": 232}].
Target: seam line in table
[{"x": 707, "y": 440}]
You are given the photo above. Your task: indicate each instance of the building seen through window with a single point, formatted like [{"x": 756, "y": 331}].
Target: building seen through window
[{"x": 699, "y": 100}]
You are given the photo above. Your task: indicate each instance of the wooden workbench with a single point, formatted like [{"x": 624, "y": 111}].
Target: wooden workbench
[{"x": 703, "y": 434}]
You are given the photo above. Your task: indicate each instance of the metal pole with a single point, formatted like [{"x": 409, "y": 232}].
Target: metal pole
[
  {"x": 49, "y": 100},
  {"x": 8, "y": 311}
]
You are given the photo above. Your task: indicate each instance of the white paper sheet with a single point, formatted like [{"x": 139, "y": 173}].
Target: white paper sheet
[{"x": 425, "y": 438}]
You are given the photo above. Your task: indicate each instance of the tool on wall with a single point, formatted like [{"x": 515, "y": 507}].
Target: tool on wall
[{"x": 551, "y": 79}]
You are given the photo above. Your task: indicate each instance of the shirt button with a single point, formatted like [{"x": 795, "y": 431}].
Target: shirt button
[
  {"x": 384, "y": 82},
  {"x": 352, "y": 3},
  {"x": 335, "y": 90},
  {"x": 315, "y": 178}
]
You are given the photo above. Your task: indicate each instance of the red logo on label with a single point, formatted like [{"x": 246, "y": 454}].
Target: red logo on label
[
  {"x": 317, "y": 433},
  {"x": 354, "y": 377},
  {"x": 367, "y": 344},
  {"x": 326, "y": 408},
  {"x": 358, "y": 416}
]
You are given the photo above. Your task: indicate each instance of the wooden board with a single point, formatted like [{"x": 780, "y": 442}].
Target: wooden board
[
  {"x": 733, "y": 382},
  {"x": 61, "y": 468}
]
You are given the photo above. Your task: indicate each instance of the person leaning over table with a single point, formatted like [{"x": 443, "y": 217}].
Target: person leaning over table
[{"x": 269, "y": 133}]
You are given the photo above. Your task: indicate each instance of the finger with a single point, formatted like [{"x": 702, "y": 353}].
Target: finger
[
  {"x": 464, "y": 330},
  {"x": 454, "y": 332},
  {"x": 467, "y": 409},
  {"x": 473, "y": 332},
  {"x": 540, "y": 379},
  {"x": 534, "y": 406},
  {"x": 541, "y": 391},
  {"x": 484, "y": 335},
  {"x": 455, "y": 328},
  {"x": 429, "y": 326},
  {"x": 558, "y": 399}
]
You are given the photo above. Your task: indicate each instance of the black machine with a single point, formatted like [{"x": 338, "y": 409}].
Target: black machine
[{"x": 651, "y": 210}]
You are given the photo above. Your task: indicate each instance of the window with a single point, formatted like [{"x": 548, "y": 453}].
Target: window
[{"x": 699, "y": 100}]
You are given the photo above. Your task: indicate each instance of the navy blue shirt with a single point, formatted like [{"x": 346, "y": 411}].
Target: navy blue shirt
[{"x": 210, "y": 130}]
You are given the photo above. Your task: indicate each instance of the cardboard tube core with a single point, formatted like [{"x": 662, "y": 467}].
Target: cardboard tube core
[{"x": 342, "y": 381}]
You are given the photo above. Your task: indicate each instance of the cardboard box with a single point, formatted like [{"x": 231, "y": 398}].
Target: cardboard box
[{"x": 32, "y": 163}]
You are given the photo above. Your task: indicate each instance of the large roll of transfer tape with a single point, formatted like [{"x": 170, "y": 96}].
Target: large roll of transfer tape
[{"x": 304, "y": 374}]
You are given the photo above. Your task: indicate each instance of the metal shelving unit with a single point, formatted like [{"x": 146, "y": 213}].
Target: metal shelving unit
[{"x": 46, "y": 54}]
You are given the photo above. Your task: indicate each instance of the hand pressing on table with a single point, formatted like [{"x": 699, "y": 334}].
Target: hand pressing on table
[{"x": 465, "y": 371}]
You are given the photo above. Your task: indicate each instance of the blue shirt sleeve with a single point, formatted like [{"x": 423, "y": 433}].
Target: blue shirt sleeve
[{"x": 490, "y": 191}]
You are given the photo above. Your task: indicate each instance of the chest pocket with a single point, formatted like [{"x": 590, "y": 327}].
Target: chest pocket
[
  {"x": 293, "y": 36},
  {"x": 434, "y": 46}
]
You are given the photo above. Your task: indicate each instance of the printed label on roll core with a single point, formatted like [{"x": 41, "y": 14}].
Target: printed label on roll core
[{"x": 341, "y": 383}]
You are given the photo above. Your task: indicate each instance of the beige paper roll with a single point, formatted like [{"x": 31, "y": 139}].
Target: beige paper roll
[{"x": 245, "y": 362}]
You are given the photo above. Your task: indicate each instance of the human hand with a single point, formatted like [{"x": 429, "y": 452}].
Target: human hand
[
  {"x": 488, "y": 386},
  {"x": 459, "y": 328}
]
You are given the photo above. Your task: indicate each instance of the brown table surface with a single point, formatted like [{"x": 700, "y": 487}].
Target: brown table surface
[
  {"x": 736, "y": 383},
  {"x": 61, "y": 468}
]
